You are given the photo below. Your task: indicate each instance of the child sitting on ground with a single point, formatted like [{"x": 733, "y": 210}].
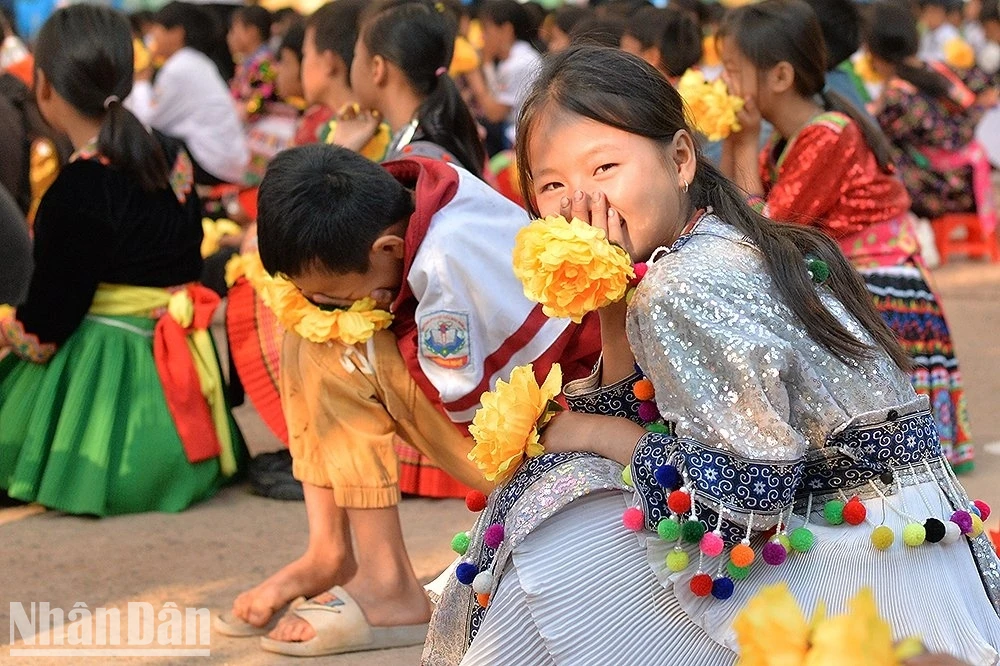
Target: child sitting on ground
[{"x": 422, "y": 239}]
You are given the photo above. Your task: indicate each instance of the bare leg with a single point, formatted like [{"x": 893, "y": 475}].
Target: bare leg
[
  {"x": 328, "y": 561},
  {"x": 385, "y": 586}
]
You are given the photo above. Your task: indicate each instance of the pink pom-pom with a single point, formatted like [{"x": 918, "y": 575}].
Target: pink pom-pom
[
  {"x": 633, "y": 519},
  {"x": 640, "y": 270},
  {"x": 712, "y": 544},
  {"x": 493, "y": 536},
  {"x": 774, "y": 553},
  {"x": 964, "y": 521},
  {"x": 648, "y": 411},
  {"x": 984, "y": 509}
]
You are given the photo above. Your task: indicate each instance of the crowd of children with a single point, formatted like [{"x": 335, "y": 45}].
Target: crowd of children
[{"x": 378, "y": 158}]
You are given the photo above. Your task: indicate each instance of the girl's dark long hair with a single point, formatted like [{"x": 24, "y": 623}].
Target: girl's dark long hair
[
  {"x": 618, "y": 90},
  {"x": 775, "y": 31},
  {"x": 420, "y": 40},
  {"x": 892, "y": 35},
  {"x": 85, "y": 52}
]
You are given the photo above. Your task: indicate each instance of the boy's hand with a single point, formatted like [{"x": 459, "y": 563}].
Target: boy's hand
[{"x": 355, "y": 127}]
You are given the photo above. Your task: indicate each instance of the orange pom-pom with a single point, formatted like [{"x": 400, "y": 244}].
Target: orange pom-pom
[
  {"x": 742, "y": 555},
  {"x": 643, "y": 390},
  {"x": 483, "y": 599},
  {"x": 679, "y": 502}
]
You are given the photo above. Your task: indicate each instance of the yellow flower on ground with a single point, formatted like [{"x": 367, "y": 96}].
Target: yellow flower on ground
[
  {"x": 570, "y": 267},
  {"x": 959, "y": 54},
  {"x": 771, "y": 630},
  {"x": 711, "y": 108},
  {"x": 859, "y": 636},
  {"x": 506, "y": 427}
]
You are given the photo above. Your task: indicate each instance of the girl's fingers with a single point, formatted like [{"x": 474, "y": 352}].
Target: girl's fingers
[
  {"x": 565, "y": 208},
  {"x": 580, "y": 207},
  {"x": 615, "y": 232},
  {"x": 599, "y": 211}
]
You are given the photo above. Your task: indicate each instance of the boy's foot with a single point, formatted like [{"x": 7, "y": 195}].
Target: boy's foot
[
  {"x": 305, "y": 577},
  {"x": 398, "y": 609}
]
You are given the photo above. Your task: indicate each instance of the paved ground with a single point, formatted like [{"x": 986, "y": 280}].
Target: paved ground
[{"x": 205, "y": 556}]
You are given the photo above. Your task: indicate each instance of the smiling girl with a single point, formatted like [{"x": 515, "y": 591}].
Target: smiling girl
[{"x": 777, "y": 392}]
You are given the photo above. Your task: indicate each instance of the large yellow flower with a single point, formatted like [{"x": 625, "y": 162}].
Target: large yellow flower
[
  {"x": 859, "y": 636},
  {"x": 506, "y": 427},
  {"x": 295, "y": 313},
  {"x": 959, "y": 54},
  {"x": 570, "y": 267},
  {"x": 712, "y": 109},
  {"x": 771, "y": 629}
]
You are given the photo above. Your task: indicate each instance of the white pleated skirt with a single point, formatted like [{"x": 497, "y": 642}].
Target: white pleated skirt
[{"x": 581, "y": 589}]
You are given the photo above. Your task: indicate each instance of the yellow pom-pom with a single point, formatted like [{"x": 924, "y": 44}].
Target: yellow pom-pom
[
  {"x": 977, "y": 526},
  {"x": 959, "y": 54},
  {"x": 914, "y": 534},
  {"x": 627, "y": 476},
  {"x": 677, "y": 560},
  {"x": 882, "y": 537}
]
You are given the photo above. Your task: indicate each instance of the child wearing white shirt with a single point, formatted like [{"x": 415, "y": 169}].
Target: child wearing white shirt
[{"x": 189, "y": 100}]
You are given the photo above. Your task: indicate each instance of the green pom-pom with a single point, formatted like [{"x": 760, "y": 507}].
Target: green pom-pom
[
  {"x": 737, "y": 573},
  {"x": 668, "y": 529},
  {"x": 660, "y": 428},
  {"x": 882, "y": 537},
  {"x": 801, "y": 539},
  {"x": 784, "y": 541},
  {"x": 833, "y": 511},
  {"x": 627, "y": 476},
  {"x": 820, "y": 271},
  {"x": 693, "y": 531},
  {"x": 460, "y": 543},
  {"x": 914, "y": 534},
  {"x": 677, "y": 560}
]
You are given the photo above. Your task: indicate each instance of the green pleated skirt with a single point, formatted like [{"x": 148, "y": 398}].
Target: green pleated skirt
[{"x": 90, "y": 433}]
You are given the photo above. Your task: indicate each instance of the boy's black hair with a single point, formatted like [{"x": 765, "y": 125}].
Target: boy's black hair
[
  {"x": 335, "y": 28},
  {"x": 840, "y": 22},
  {"x": 292, "y": 41},
  {"x": 201, "y": 28},
  {"x": 990, "y": 11},
  {"x": 322, "y": 207},
  {"x": 598, "y": 31},
  {"x": 255, "y": 16},
  {"x": 500, "y": 12},
  {"x": 567, "y": 16}
]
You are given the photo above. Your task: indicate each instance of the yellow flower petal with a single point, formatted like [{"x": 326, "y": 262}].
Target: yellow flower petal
[
  {"x": 180, "y": 307},
  {"x": 859, "y": 636},
  {"x": 570, "y": 268},
  {"x": 771, "y": 629},
  {"x": 505, "y": 427},
  {"x": 710, "y": 106}
]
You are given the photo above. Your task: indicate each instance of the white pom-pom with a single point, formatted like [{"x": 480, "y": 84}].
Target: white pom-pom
[
  {"x": 483, "y": 582},
  {"x": 951, "y": 532}
]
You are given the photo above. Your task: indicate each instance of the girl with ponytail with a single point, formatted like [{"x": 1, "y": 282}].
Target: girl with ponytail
[
  {"x": 93, "y": 422},
  {"x": 400, "y": 70},
  {"x": 828, "y": 166},
  {"x": 746, "y": 381}
]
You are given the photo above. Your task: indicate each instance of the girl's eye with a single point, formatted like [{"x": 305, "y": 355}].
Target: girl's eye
[
  {"x": 604, "y": 168},
  {"x": 550, "y": 187}
]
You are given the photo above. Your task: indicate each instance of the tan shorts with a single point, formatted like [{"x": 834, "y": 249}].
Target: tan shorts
[{"x": 346, "y": 404}]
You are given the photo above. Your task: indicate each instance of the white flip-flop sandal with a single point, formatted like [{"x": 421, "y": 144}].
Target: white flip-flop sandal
[
  {"x": 227, "y": 624},
  {"x": 341, "y": 627}
]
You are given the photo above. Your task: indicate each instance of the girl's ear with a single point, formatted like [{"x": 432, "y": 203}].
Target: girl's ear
[
  {"x": 43, "y": 89},
  {"x": 781, "y": 77},
  {"x": 380, "y": 70},
  {"x": 685, "y": 156}
]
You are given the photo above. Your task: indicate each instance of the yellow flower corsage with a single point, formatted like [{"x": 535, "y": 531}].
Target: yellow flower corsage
[
  {"x": 508, "y": 424},
  {"x": 711, "y": 108},
  {"x": 570, "y": 267},
  {"x": 295, "y": 313},
  {"x": 771, "y": 629}
]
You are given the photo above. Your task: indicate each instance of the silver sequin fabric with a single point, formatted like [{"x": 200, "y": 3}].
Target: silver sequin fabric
[{"x": 732, "y": 365}]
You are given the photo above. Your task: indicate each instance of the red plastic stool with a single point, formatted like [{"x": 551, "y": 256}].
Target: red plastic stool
[{"x": 975, "y": 243}]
